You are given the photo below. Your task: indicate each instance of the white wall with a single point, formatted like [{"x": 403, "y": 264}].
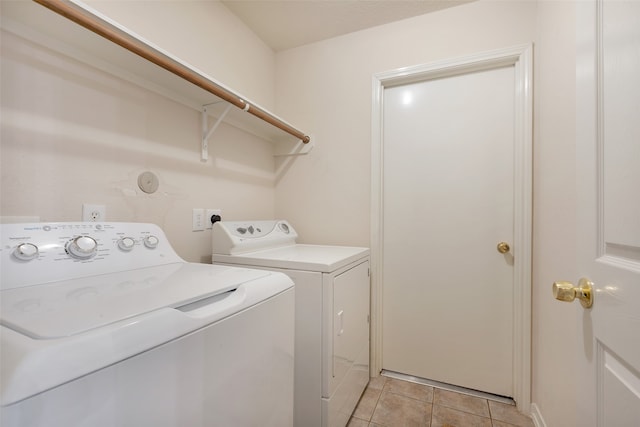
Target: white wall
[
  {"x": 206, "y": 35},
  {"x": 73, "y": 134},
  {"x": 326, "y": 89}
]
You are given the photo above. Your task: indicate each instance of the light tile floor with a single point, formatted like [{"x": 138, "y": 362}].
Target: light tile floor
[{"x": 388, "y": 402}]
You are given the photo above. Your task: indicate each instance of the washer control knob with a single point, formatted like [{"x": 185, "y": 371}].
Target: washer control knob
[
  {"x": 151, "y": 241},
  {"x": 126, "y": 244},
  {"x": 82, "y": 247},
  {"x": 26, "y": 251}
]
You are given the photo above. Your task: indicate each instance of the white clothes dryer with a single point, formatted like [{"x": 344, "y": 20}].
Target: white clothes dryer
[
  {"x": 332, "y": 292},
  {"x": 104, "y": 325}
]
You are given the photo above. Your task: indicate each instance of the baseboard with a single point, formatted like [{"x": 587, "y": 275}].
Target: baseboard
[{"x": 536, "y": 415}]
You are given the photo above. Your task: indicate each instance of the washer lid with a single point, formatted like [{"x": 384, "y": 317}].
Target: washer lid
[
  {"x": 319, "y": 258},
  {"x": 71, "y": 307}
]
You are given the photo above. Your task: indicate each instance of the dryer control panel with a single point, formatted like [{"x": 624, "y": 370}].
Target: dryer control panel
[{"x": 236, "y": 237}]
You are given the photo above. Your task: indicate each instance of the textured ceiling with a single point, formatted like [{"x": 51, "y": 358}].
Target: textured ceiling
[{"x": 291, "y": 23}]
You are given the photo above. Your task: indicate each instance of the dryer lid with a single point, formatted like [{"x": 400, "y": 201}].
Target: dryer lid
[{"x": 317, "y": 258}]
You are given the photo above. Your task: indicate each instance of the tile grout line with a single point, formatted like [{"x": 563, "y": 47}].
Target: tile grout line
[
  {"x": 466, "y": 412},
  {"x": 376, "y": 405},
  {"x": 432, "y": 408}
]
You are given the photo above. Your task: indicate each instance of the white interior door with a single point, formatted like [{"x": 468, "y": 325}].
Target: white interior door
[
  {"x": 609, "y": 213},
  {"x": 448, "y": 186}
]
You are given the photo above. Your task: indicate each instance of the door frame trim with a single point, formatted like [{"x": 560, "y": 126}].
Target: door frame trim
[{"x": 521, "y": 58}]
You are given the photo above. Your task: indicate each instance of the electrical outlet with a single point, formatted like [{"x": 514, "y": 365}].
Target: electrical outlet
[
  {"x": 94, "y": 213},
  {"x": 209, "y": 214},
  {"x": 198, "y": 220}
]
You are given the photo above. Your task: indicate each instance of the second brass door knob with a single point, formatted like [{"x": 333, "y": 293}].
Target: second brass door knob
[{"x": 503, "y": 247}]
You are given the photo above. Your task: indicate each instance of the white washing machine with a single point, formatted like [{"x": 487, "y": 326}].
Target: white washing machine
[
  {"x": 332, "y": 312},
  {"x": 103, "y": 325}
]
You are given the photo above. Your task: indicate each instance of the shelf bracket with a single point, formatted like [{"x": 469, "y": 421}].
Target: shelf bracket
[{"x": 206, "y": 132}]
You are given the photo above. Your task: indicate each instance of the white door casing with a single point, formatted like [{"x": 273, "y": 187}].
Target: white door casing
[
  {"x": 520, "y": 58},
  {"x": 608, "y": 216}
]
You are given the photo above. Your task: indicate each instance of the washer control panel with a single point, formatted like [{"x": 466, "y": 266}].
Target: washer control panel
[{"x": 38, "y": 253}]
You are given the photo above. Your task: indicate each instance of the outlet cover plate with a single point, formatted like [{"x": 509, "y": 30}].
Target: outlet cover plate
[
  {"x": 198, "y": 222},
  {"x": 94, "y": 213}
]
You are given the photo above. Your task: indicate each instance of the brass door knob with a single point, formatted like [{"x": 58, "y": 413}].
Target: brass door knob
[
  {"x": 565, "y": 291},
  {"x": 503, "y": 247}
]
